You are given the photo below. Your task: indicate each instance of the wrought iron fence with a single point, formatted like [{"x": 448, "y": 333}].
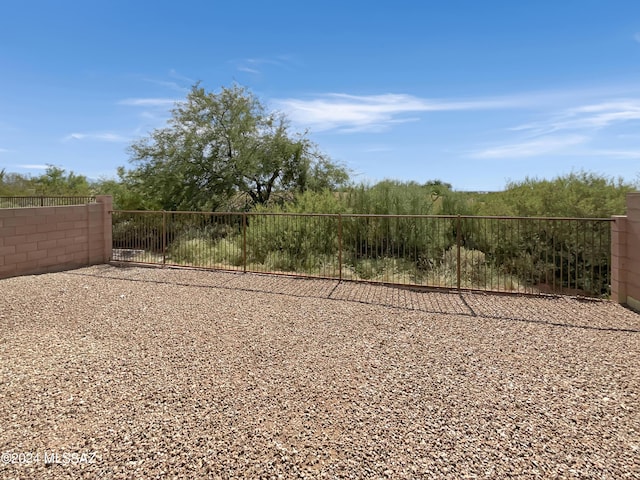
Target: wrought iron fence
[
  {"x": 506, "y": 254},
  {"x": 44, "y": 201}
]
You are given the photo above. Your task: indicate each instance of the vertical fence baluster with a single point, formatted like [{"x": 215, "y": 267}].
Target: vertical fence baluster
[
  {"x": 244, "y": 242},
  {"x": 164, "y": 238},
  {"x": 340, "y": 247},
  {"x": 458, "y": 240},
  {"x": 592, "y": 249}
]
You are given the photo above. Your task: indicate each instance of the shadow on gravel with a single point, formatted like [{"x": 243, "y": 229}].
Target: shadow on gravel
[{"x": 557, "y": 311}]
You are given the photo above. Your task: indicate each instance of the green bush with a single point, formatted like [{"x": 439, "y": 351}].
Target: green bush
[
  {"x": 205, "y": 252},
  {"x": 228, "y": 251},
  {"x": 473, "y": 266},
  {"x": 300, "y": 238},
  {"x": 191, "y": 251},
  {"x": 137, "y": 231}
]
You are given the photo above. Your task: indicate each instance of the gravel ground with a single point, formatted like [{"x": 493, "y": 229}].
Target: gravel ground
[{"x": 110, "y": 372}]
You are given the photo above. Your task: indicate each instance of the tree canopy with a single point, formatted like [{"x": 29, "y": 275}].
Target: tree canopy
[
  {"x": 54, "y": 181},
  {"x": 218, "y": 146}
]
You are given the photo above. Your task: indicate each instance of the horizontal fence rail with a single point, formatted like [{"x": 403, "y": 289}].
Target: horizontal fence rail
[
  {"x": 44, "y": 201},
  {"x": 502, "y": 254}
]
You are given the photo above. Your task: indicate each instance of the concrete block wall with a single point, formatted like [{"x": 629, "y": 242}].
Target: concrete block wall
[
  {"x": 49, "y": 239},
  {"x": 625, "y": 255}
]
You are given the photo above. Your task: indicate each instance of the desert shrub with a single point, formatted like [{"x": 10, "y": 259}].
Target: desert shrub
[
  {"x": 228, "y": 251},
  {"x": 191, "y": 251},
  {"x": 390, "y": 197},
  {"x": 198, "y": 225},
  {"x": 472, "y": 265},
  {"x": 205, "y": 252},
  {"x": 304, "y": 239},
  {"x": 408, "y": 238},
  {"x": 387, "y": 269},
  {"x": 476, "y": 271},
  {"x": 281, "y": 261},
  {"x": 310, "y": 201},
  {"x": 137, "y": 231}
]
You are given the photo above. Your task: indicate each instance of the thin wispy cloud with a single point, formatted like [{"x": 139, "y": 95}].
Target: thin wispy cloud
[
  {"x": 255, "y": 66},
  {"x": 103, "y": 137},
  {"x": 246, "y": 69},
  {"x": 617, "y": 154},
  {"x": 636, "y": 37},
  {"x": 154, "y": 117},
  {"x": 541, "y": 146},
  {"x": 591, "y": 116},
  {"x": 172, "y": 81},
  {"x": 605, "y": 114},
  {"x": 378, "y": 148},
  {"x": 587, "y": 122},
  {"x": 339, "y": 111},
  {"x": 148, "y": 102},
  {"x": 563, "y": 108},
  {"x": 167, "y": 84},
  {"x": 181, "y": 78},
  {"x": 32, "y": 166}
]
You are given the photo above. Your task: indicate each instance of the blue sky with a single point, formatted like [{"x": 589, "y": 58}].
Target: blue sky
[{"x": 474, "y": 93}]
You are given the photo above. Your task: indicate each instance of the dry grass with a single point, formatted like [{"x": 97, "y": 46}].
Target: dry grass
[{"x": 191, "y": 374}]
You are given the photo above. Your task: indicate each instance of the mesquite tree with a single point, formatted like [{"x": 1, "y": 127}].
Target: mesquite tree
[{"x": 221, "y": 145}]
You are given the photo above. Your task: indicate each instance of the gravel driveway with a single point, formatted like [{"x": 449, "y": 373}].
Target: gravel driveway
[{"x": 109, "y": 372}]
